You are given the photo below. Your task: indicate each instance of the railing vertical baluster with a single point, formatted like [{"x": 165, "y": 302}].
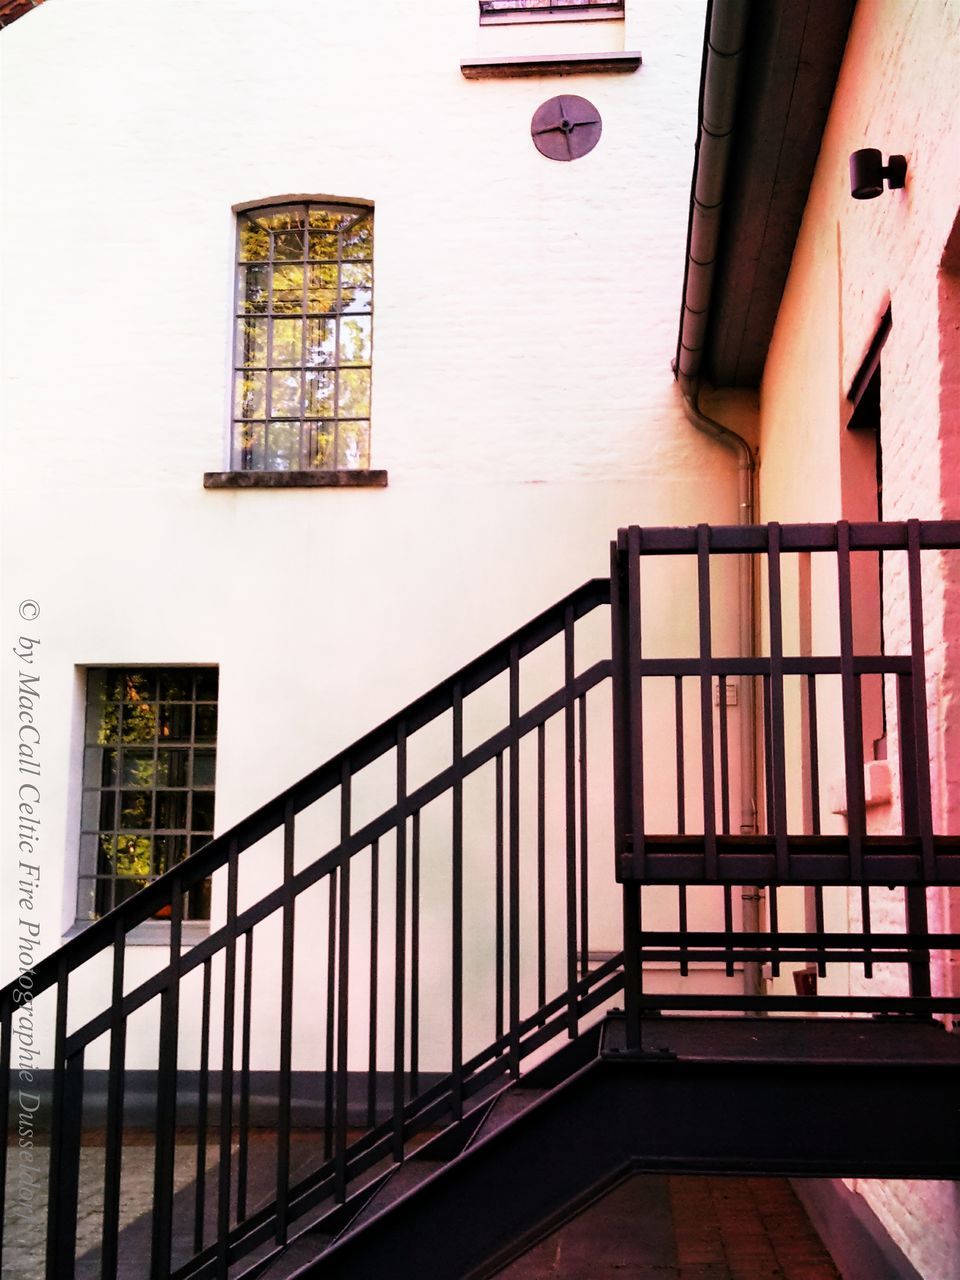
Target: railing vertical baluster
[
  {"x": 415, "y": 955},
  {"x": 682, "y": 923},
  {"x": 246, "y": 1017},
  {"x": 728, "y": 927},
  {"x": 166, "y": 1115},
  {"x": 724, "y": 758},
  {"x": 779, "y": 780},
  {"x": 499, "y": 934},
  {"x": 584, "y": 855},
  {"x": 400, "y": 981},
  {"x": 65, "y": 1122},
  {"x": 867, "y": 927},
  {"x": 570, "y": 792},
  {"x": 634, "y": 638},
  {"x": 456, "y": 911},
  {"x": 774, "y": 911},
  {"x": 706, "y": 703},
  {"x": 6, "y": 1038},
  {"x": 113, "y": 1140},
  {"x": 226, "y": 1067},
  {"x": 924, "y": 814},
  {"x": 343, "y": 993},
  {"x": 768, "y": 753},
  {"x": 514, "y": 820},
  {"x": 681, "y": 767},
  {"x": 284, "y": 1095},
  {"x": 811, "y": 681},
  {"x": 374, "y": 983},
  {"x": 852, "y": 718},
  {"x": 910, "y": 770},
  {"x": 541, "y": 865},
  {"x": 203, "y": 1101},
  {"x": 329, "y": 1029}
]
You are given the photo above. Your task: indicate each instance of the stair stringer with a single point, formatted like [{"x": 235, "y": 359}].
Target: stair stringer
[{"x": 621, "y": 1114}]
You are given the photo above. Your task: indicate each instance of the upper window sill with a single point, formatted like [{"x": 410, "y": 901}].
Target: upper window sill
[
  {"x": 295, "y": 480},
  {"x": 549, "y": 64},
  {"x": 586, "y": 13}
]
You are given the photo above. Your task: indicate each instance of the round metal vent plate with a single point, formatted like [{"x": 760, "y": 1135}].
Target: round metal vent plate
[{"x": 566, "y": 128}]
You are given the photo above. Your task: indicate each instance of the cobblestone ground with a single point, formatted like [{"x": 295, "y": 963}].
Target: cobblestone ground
[{"x": 25, "y": 1233}]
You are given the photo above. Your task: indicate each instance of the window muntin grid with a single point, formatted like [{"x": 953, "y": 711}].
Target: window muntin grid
[
  {"x": 149, "y": 761},
  {"x": 304, "y": 331}
]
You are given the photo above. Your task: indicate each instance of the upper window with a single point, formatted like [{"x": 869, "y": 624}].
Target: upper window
[
  {"x": 303, "y": 338},
  {"x": 543, "y": 10},
  {"x": 148, "y": 775}
]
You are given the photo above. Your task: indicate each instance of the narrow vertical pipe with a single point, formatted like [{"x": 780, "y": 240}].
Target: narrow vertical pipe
[
  {"x": 852, "y": 718},
  {"x": 706, "y": 703}
]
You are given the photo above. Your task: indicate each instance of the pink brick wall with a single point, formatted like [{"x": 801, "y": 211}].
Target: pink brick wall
[{"x": 897, "y": 92}]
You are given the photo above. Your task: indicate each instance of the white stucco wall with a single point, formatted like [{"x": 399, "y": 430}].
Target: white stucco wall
[
  {"x": 896, "y": 92},
  {"x": 523, "y": 406}
]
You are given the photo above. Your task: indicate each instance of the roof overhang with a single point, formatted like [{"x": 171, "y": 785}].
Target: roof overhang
[{"x": 767, "y": 80}]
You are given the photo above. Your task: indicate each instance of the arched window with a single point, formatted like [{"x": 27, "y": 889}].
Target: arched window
[{"x": 304, "y": 302}]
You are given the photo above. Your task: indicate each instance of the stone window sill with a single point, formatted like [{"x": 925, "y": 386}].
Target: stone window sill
[
  {"x": 549, "y": 64},
  {"x": 153, "y": 933},
  {"x": 295, "y": 480}
]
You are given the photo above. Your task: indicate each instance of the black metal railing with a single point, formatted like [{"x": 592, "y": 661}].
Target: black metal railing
[
  {"x": 453, "y": 846},
  {"x": 841, "y": 693}
]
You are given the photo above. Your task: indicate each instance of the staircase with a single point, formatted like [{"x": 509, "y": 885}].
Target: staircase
[{"x": 448, "y": 909}]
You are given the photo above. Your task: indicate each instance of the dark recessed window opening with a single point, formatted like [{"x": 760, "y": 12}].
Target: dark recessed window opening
[
  {"x": 149, "y": 762},
  {"x": 304, "y": 318}
]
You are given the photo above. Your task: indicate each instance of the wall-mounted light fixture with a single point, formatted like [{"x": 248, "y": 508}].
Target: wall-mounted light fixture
[{"x": 867, "y": 172}]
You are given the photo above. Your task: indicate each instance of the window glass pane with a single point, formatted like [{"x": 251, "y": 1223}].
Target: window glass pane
[
  {"x": 175, "y": 685},
  {"x": 353, "y": 445},
  {"x": 356, "y": 286},
  {"x": 283, "y": 217},
  {"x": 99, "y": 767},
  {"x": 250, "y": 453},
  {"x": 325, "y": 246},
  {"x": 287, "y": 341},
  {"x": 203, "y": 811},
  {"x": 139, "y": 722},
  {"x": 283, "y": 449},
  {"x": 354, "y": 393},
  {"x": 329, "y": 219},
  {"x": 322, "y": 288},
  {"x": 249, "y": 399},
  {"x": 167, "y": 852},
  {"x": 251, "y": 341},
  {"x": 288, "y": 289},
  {"x": 172, "y": 810},
  {"x": 355, "y": 340},
  {"x": 321, "y": 342},
  {"x": 174, "y": 722},
  {"x": 319, "y": 394},
  {"x": 96, "y": 810},
  {"x": 126, "y": 888},
  {"x": 254, "y": 240},
  {"x": 207, "y": 684},
  {"x": 172, "y": 767},
  {"x": 358, "y": 240},
  {"x": 86, "y": 899},
  {"x": 138, "y": 769},
  {"x": 253, "y": 292},
  {"x": 204, "y": 768},
  {"x": 321, "y": 446},
  {"x": 285, "y": 394},
  {"x": 288, "y": 244}
]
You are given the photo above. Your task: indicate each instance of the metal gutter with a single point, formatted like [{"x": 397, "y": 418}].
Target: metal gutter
[{"x": 720, "y": 78}]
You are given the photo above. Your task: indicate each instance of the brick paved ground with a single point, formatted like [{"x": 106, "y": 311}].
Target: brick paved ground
[{"x": 649, "y": 1228}]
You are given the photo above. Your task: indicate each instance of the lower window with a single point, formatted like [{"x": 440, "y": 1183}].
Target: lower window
[{"x": 149, "y": 763}]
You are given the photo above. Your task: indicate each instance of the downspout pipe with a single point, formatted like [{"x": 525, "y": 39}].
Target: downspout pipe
[{"x": 723, "y": 59}]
